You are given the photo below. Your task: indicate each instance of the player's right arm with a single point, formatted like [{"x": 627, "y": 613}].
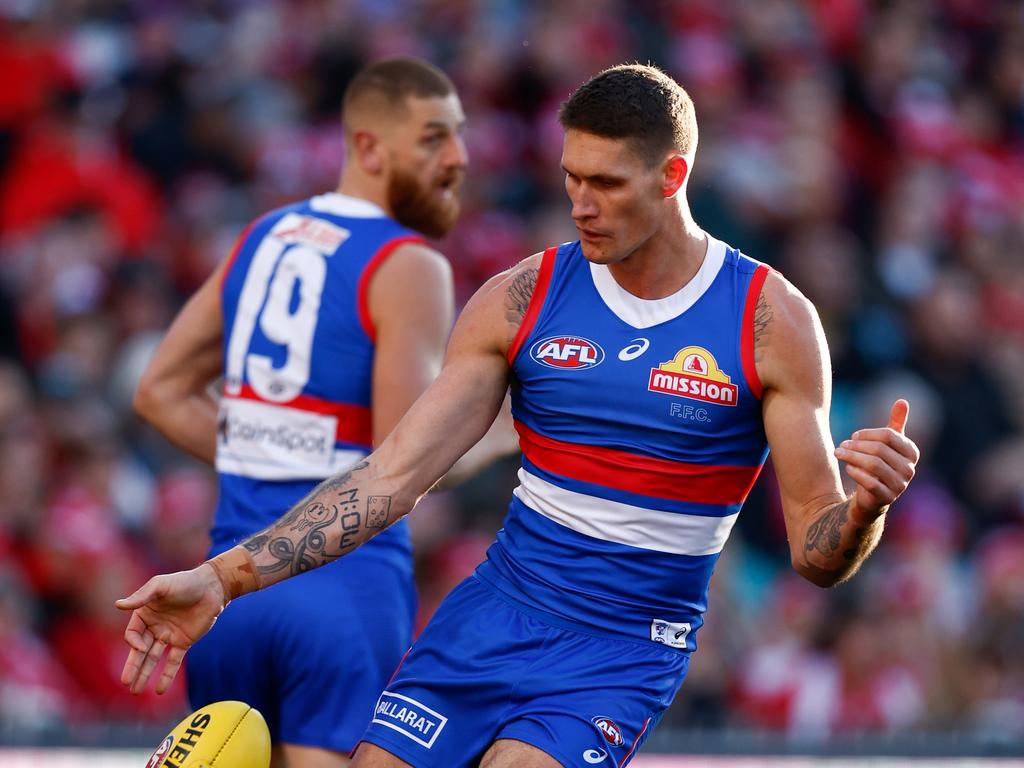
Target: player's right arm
[
  {"x": 346, "y": 510},
  {"x": 831, "y": 532},
  {"x": 173, "y": 393}
]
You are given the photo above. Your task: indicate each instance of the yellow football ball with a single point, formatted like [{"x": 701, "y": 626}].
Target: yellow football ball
[{"x": 225, "y": 734}]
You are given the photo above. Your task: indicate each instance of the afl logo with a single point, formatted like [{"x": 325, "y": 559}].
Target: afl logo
[
  {"x": 611, "y": 732},
  {"x": 567, "y": 352},
  {"x": 161, "y": 752}
]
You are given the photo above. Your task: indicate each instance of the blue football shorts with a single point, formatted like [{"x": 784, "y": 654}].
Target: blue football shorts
[
  {"x": 484, "y": 669},
  {"x": 311, "y": 653}
]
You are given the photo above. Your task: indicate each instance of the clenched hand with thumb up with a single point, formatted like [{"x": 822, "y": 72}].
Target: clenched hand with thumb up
[{"x": 880, "y": 461}]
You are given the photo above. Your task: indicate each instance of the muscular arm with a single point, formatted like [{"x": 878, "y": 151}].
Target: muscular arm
[
  {"x": 170, "y": 612},
  {"x": 453, "y": 414},
  {"x": 173, "y": 393},
  {"x": 411, "y": 306},
  {"x": 830, "y": 532}
]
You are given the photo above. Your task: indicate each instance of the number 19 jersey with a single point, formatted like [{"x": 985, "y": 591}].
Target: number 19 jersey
[{"x": 298, "y": 359}]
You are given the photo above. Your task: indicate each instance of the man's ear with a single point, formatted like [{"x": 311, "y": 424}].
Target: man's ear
[
  {"x": 675, "y": 174},
  {"x": 368, "y": 152}
]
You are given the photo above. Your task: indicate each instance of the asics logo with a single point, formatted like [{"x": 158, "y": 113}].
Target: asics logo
[
  {"x": 595, "y": 756},
  {"x": 634, "y": 349}
]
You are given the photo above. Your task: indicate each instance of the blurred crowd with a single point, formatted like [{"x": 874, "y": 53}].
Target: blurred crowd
[{"x": 871, "y": 151}]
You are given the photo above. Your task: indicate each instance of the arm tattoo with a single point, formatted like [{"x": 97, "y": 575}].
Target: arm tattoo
[
  {"x": 517, "y": 297},
  {"x": 298, "y": 541},
  {"x": 826, "y": 532},
  {"x": 762, "y": 317},
  {"x": 378, "y": 508}
]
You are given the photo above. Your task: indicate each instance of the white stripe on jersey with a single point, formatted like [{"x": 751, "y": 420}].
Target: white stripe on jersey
[
  {"x": 255, "y": 470},
  {"x": 672, "y": 532}
]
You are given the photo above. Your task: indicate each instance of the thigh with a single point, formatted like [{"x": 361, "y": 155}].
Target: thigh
[
  {"x": 445, "y": 704},
  {"x": 371, "y": 756},
  {"x": 591, "y": 700},
  {"x": 311, "y": 653},
  {"x": 294, "y": 756},
  {"x": 506, "y": 753}
]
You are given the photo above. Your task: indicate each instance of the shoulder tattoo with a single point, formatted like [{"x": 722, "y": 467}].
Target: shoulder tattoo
[
  {"x": 762, "y": 320},
  {"x": 518, "y": 295}
]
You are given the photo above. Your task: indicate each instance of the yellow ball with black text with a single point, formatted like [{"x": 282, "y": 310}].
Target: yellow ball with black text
[{"x": 225, "y": 734}]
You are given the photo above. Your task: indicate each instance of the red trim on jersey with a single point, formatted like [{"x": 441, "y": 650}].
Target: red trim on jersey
[
  {"x": 547, "y": 266},
  {"x": 636, "y": 741},
  {"x": 398, "y": 668},
  {"x": 747, "y": 333},
  {"x": 355, "y": 423},
  {"x": 633, "y": 473},
  {"x": 363, "y": 291},
  {"x": 234, "y": 252}
]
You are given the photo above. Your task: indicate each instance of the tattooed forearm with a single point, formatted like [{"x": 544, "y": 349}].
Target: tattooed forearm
[
  {"x": 326, "y": 524},
  {"x": 826, "y": 533},
  {"x": 517, "y": 297},
  {"x": 762, "y": 320},
  {"x": 836, "y": 544}
]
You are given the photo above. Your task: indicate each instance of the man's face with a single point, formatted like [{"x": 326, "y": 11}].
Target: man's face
[
  {"x": 617, "y": 201},
  {"x": 427, "y": 161}
]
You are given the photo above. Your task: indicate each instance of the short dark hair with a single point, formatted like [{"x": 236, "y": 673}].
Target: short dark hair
[
  {"x": 395, "y": 79},
  {"x": 637, "y": 102}
]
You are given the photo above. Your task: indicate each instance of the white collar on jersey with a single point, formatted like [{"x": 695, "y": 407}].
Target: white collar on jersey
[
  {"x": 644, "y": 313},
  {"x": 345, "y": 205}
]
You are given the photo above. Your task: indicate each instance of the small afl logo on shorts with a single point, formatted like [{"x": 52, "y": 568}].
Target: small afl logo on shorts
[
  {"x": 608, "y": 728},
  {"x": 567, "y": 352},
  {"x": 161, "y": 752}
]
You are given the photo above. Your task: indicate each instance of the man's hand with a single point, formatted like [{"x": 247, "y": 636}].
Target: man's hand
[
  {"x": 880, "y": 461},
  {"x": 168, "y": 613}
]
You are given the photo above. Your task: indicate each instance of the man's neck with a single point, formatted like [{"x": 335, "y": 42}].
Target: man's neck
[
  {"x": 361, "y": 188},
  {"x": 665, "y": 263}
]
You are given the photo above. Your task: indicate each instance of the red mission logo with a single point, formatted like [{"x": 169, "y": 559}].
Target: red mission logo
[
  {"x": 567, "y": 352},
  {"x": 694, "y": 373}
]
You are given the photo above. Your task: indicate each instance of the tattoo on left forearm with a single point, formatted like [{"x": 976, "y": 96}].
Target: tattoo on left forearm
[
  {"x": 826, "y": 532},
  {"x": 298, "y": 542}
]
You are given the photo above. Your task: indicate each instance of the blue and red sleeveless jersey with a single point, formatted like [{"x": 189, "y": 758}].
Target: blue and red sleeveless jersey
[
  {"x": 298, "y": 359},
  {"x": 641, "y": 432}
]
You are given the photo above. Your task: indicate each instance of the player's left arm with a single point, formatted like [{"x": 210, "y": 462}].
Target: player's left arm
[
  {"x": 830, "y": 532},
  {"x": 173, "y": 392}
]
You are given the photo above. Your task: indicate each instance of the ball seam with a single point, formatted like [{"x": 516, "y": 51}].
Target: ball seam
[{"x": 214, "y": 760}]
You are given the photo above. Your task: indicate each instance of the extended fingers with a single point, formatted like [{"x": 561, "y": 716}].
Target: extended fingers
[
  {"x": 141, "y": 640},
  {"x": 149, "y": 663},
  {"x": 174, "y": 658}
]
